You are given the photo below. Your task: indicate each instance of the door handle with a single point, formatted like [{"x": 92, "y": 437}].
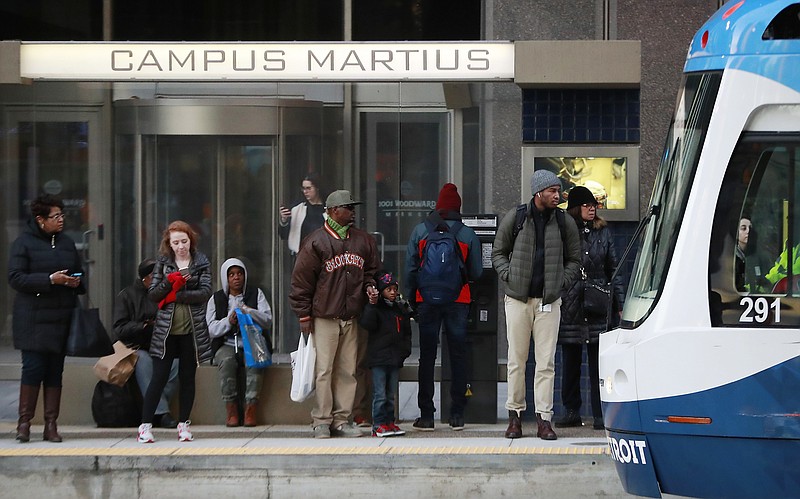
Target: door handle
[
  {"x": 382, "y": 239},
  {"x": 85, "y": 242}
]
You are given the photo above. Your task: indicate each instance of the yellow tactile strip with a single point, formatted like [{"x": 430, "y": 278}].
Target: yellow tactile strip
[{"x": 300, "y": 451}]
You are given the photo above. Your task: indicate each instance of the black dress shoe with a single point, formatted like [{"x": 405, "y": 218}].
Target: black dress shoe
[
  {"x": 570, "y": 420},
  {"x": 598, "y": 424},
  {"x": 167, "y": 421}
]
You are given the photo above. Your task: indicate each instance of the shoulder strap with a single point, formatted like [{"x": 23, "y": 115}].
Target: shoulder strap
[
  {"x": 562, "y": 230},
  {"x": 519, "y": 219}
]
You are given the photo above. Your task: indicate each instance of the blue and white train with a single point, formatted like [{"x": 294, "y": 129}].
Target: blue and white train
[{"x": 701, "y": 383}]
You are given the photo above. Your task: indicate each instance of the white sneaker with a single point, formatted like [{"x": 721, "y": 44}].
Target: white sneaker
[
  {"x": 184, "y": 435},
  {"x": 146, "y": 434}
]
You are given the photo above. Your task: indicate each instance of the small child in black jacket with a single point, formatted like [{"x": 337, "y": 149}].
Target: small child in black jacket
[{"x": 388, "y": 321}]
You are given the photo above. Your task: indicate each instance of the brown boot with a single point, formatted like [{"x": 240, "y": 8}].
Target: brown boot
[
  {"x": 250, "y": 410},
  {"x": 514, "y": 429},
  {"x": 232, "y": 419},
  {"x": 545, "y": 431},
  {"x": 52, "y": 406},
  {"x": 28, "y": 396}
]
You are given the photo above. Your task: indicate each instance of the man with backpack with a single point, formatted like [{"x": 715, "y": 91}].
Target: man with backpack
[
  {"x": 442, "y": 256},
  {"x": 536, "y": 256}
]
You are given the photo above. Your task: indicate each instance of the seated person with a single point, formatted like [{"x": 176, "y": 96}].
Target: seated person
[
  {"x": 226, "y": 342},
  {"x": 134, "y": 314}
]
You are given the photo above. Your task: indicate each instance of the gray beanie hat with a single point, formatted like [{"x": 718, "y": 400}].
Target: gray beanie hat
[{"x": 542, "y": 179}]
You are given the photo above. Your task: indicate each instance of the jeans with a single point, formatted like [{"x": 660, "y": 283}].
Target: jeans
[
  {"x": 384, "y": 389},
  {"x": 144, "y": 373},
  {"x": 452, "y": 317},
  {"x": 42, "y": 368}
]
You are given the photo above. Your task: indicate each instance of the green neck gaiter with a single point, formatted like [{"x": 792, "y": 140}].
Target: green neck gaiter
[{"x": 342, "y": 231}]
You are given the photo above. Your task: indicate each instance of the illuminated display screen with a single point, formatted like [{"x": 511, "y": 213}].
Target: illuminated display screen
[
  {"x": 605, "y": 177},
  {"x": 610, "y": 172}
]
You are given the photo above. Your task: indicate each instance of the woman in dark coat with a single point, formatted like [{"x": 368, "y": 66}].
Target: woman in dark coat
[
  {"x": 44, "y": 268},
  {"x": 181, "y": 286},
  {"x": 578, "y": 326}
]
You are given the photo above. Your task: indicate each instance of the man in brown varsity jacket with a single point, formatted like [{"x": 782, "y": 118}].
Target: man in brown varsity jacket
[{"x": 332, "y": 277}]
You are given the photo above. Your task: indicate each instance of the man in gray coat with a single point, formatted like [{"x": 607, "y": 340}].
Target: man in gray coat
[{"x": 535, "y": 266}]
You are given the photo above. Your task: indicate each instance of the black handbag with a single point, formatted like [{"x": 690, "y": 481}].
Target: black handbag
[
  {"x": 87, "y": 336},
  {"x": 596, "y": 298}
]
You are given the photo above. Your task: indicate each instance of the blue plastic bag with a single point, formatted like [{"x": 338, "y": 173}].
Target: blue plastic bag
[{"x": 256, "y": 351}]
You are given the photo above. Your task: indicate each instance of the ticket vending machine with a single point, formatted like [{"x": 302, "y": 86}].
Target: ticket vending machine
[{"x": 481, "y": 352}]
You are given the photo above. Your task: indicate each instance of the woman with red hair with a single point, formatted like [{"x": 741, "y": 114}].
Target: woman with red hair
[{"x": 181, "y": 286}]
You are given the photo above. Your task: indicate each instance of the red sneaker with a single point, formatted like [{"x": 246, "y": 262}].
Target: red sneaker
[
  {"x": 396, "y": 429},
  {"x": 382, "y": 431},
  {"x": 361, "y": 422}
]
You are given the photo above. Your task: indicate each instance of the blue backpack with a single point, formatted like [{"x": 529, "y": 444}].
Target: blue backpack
[{"x": 441, "y": 273}]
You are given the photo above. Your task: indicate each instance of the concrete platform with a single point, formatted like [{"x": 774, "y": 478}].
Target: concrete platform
[{"x": 284, "y": 461}]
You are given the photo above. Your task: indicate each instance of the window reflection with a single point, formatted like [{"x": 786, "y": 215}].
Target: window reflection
[{"x": 754, "y": 243}]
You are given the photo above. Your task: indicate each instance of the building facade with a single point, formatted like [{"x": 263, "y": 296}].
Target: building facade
[{"x": 592, "y": 79}]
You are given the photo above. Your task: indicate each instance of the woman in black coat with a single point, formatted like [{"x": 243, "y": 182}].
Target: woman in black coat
[
  {"x": 44, "y": 268},
  {"x": 579, "y": 326}
]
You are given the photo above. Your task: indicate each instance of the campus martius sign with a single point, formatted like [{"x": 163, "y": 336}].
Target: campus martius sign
[{"x": 397, "y": 61}]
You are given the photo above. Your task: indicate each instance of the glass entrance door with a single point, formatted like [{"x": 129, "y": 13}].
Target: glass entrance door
[
  {"x": 224, "y": 167},
  {"x": 404, "y": 161},
  {"x": 57, "y": 151}
]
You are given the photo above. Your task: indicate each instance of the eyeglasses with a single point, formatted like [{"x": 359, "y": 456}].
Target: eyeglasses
[
  {"x": 587, "y": 205},
  {"x": 348, "y": 207},
  {"x": 57, "y": 216}
]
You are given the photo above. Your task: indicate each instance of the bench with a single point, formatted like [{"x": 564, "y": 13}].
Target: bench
[{"x": 275, "y": 406}]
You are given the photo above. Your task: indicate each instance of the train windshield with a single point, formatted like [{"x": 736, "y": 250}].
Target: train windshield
[{"x": 670, "y": 192}]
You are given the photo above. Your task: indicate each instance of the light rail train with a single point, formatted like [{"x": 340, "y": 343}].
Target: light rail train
[{"x": 701, "y": 382}]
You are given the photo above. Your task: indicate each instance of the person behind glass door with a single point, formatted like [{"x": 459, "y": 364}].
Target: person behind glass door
[
  {"x": 44, "y": 268},
  {"x": 181, "y": 286},
  {"x": 134, "y": 316},
  {"x": 578, "y": 326},
  {"x": 304, "y": 217}
]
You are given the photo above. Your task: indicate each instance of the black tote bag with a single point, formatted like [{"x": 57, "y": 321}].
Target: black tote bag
[{"x": 87, "y": 335}]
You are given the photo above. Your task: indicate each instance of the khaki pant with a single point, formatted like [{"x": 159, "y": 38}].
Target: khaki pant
[
  {"x": 362, "y": 405},
  {"x": 336, "y": 342},
  {"x": 524, "y": 320}
]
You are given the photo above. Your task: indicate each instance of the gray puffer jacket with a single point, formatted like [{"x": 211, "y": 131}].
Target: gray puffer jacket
[
  {"x": 195, "y": 293},
  {"x": 513, "y": 258}
]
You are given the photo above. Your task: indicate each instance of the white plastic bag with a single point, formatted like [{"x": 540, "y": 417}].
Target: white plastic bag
[{"x": 304, "y": 360}]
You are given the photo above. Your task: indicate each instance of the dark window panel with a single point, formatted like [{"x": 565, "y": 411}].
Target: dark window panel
[
  {"x": 51, "y": 20},
  {"x": 228, "y": 20},
  {"x": 388, "y": 20}
]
